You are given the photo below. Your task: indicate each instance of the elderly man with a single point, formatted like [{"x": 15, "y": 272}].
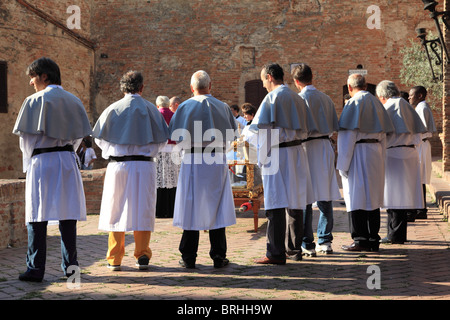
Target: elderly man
[
  {"x": 361, "y": 154},
  {"x": 403, "y": 186},
  {"x": 130, "y": 133},
  {"x": 174, "y": 103},
  {"x": 51, "y": 125},
  {"x": 279, "y": 127},
  {"x": 417, "y": 96},
  {"x": 202, "y": 126},
  {"x": 321, "y": 158}
]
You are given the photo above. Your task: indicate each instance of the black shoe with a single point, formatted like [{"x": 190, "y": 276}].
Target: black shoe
[
  {"x": 27, "y": 276},
  {"x": 220, "y": 262},
  {"x": 142, "y": 262},
  {"x": 186, "y": 265},
  {"x": 421, "y": 214}
]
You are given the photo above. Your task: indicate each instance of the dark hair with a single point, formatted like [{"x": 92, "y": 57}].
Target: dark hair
[
  {"x": 303, "y": 73},
  {"x": 235, "y": 107},
  {"x": 131, "y": 82},
  {"x": 45, "y": 66},
  {"x": 420, "y": 90},
  {"x": 275, "y": 70},
  {"x": 88, "y": 142},
  {"x": 248, "y": 108}
]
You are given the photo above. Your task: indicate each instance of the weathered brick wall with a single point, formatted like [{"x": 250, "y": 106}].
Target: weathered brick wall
[
  {"x": 13, "y": 231},
  {"x": 12, "y": 213},
  {"x": 169, "y": 40},
  {"x": 24, "y": 37}
]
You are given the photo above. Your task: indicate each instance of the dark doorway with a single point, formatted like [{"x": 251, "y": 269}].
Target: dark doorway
[
  {"x": 254, "y": 92},
  {"x": 370, "y": 87}
]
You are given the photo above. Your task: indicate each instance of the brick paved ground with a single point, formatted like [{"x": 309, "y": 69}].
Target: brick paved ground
[{"x": 419, "y": 269}]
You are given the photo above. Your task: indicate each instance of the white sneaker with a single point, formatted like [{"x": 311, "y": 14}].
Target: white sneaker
[
  {"x": 308, "y": 252},
  {"x": 324, "y": 248}
]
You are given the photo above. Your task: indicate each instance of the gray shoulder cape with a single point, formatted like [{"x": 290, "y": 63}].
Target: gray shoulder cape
[
  {"x": 404, "y": 118},
  {"x": 364, "y": 112},
  {"x": 55, "y": 113},
  {"x": 322, "y": 109},
  {"x": 284, "y": 108},
  {"x": 425, "y": 113},
  {"x": 133, "y": 121},
  {"x": 201, "y": 113}
]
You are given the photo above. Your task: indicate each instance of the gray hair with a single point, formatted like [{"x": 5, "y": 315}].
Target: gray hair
[
  {"x": 200, "y": 80},
  {"x": 357, "y": 81},
  {"x": 162, "y": 101},
  {"x": 387, "y": 89}
]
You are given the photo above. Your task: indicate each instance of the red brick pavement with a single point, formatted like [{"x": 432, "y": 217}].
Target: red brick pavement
[{"x": 417, "y": 270}]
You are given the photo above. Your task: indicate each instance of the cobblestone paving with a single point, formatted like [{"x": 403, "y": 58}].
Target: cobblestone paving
[{"x": 419, "y": 269}]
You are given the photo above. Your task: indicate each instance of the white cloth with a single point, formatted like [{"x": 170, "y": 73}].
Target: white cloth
[
  {"x": 362, "y": 168},
  {"x": 88, "y": 156},
  {"x": 54, "y": 187},
  {"x": 204, "y": 199},
  {"x": 129, "y": 192},
  {"x": 320, "y": 153},
  {"x": 285, "y": 171},
  {"x": 424, "y": 148},
  {"x": 403, "y": 187}
]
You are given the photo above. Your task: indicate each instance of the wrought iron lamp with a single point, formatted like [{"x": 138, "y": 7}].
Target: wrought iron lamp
[
  {"x": 434, "y": 46},
  {"x": 430, "y": 5}
]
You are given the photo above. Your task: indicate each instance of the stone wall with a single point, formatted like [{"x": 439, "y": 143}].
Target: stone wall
[{"x": 13, "y": 231}]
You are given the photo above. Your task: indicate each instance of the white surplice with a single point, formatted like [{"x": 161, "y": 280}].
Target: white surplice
[
  {"x": 54, "y": 187},
  {"x": 129, "y": 192},
  {"x": 362, "y": 167},
  {"x": 320, "y": 152},
  {"x": 403, "y": 187},
  {"x": 424, "y": 148}
]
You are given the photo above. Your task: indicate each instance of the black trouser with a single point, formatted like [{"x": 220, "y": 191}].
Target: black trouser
[
  {"x": 277, "y": 238},
  {"x": 189, "y": 244},
  {"x": 364, "y": 228},
  {"x": 397, "y": 225},
  {"x": 294, "y": 231},
  {"x": 37, "y": 246}
]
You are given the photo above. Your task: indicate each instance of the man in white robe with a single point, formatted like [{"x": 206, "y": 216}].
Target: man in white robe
[
  {"x": 278, "y": 129},
  {"x": 130, "y": 133},
  {"x": 202, "y": 126},
  {"x": 417, "y": 96},
  {"x": 363, "y": 125},
  {"x": 51, "y": 125},
  {"x": 321, "y": 160},
  {"x": 403, "y": 184}
]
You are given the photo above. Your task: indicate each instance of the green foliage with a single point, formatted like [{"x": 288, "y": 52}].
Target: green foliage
[{"x": 416, "y": 71}]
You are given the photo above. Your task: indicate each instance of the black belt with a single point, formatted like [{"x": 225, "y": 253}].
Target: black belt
[
  {"x": 67, "y": 147},
  {"x": 315, "y": 138},
  {"x": 131, "y": 158},
  {"x": 201, "y": 150},
  {"x": 367, "y": 141},
  {"x": 403, "y": 146},
  {"x": 289, "y": 144}
]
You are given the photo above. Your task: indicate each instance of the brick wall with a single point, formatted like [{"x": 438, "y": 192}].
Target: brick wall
[
  {"x": 12, "y": 213},
  {"x": 13, "y": 231}
]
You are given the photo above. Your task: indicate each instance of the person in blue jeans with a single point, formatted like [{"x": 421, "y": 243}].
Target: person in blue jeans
[
  {"x": 321, "y": 156},
  {"x": 324, "y": 229}
]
